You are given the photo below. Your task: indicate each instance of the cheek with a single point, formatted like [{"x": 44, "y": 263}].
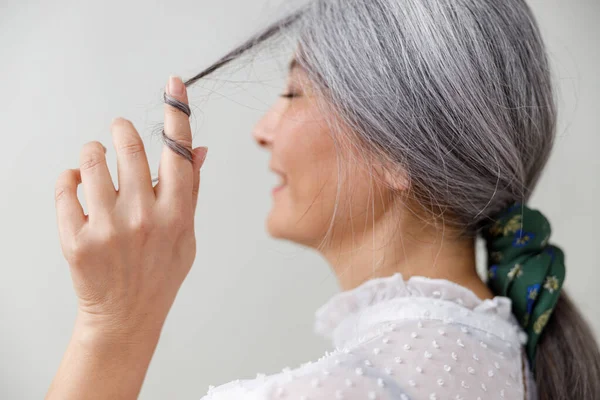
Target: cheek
[
  {"x": 313, "y": 167},
  {"x": 315, "y": 191},
  {"x": 308, "y": 156}
]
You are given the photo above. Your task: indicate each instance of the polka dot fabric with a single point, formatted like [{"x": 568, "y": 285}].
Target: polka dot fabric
[{"x": 420, "y": 339}]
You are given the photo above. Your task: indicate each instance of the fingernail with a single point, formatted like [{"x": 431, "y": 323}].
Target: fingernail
[
  {"x": 176, "y": 86},
  {"x": 103, "y": 148}
]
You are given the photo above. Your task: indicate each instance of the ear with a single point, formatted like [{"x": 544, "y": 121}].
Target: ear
[{"x": 395, "y": 176}]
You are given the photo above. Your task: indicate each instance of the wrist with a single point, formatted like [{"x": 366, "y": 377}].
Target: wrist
[
  {"x": 95, "y": 330},
  {"x": 104, "y": 361}
]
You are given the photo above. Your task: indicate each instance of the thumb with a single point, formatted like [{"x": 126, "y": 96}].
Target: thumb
[{"x": 199, "y": 154}]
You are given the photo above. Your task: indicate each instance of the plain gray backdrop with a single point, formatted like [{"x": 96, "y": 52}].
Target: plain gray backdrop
[{"x": 68, "y": 68}]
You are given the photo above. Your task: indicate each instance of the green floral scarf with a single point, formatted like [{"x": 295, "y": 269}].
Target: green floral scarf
[{"x": 525, "y": 268}]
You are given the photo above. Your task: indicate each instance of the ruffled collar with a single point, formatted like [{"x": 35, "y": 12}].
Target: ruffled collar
[{"x": 375, "y": 291}]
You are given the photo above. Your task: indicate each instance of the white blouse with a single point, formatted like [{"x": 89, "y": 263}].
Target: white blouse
[{"x": 417, "y": 339}]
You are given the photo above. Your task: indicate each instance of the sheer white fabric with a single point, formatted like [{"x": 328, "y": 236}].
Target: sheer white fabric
[{"x": 394, "y": 339}]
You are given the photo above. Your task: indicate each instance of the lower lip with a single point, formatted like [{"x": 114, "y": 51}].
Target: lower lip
[{"x": 278, "y": 188}]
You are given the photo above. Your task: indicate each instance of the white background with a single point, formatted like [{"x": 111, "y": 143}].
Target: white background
[{"x": 68, "y": 68}]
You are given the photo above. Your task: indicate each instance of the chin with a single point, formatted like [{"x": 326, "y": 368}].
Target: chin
[{"x": 275, "y": 225}]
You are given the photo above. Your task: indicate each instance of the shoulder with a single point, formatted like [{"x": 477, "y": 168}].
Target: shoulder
[
  {"x": 394, "y": 339},
  {"x": 425, "y": 354}
]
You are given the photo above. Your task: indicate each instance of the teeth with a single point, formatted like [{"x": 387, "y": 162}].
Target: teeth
[{"x": 281, "y": 179}]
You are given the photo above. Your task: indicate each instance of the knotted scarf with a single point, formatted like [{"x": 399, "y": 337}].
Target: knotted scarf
[{"x": 524, "y": 267}]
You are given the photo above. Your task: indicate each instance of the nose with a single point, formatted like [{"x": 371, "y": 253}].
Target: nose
[{"x": 263, "y": 132}]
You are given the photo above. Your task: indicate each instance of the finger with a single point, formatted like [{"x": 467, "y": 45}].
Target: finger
[
  {"x": 199, "y": 157},
  {"x": 99, "y": 190},
  {"x": 134, "y": 177},
  {"x": 176, "y": 170},
  {"x": 69, "y": 212}
]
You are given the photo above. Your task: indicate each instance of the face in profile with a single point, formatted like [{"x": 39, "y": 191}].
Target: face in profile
[{"x": 304, "y": 154}]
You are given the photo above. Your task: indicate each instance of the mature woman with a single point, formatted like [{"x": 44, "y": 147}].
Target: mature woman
[{"x": 407, "y": 129}]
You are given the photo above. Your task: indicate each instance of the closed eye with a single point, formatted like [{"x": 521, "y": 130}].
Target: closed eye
[{"x": 289, "y": 95}]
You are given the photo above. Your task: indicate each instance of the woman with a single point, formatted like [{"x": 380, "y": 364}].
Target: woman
[{"x": 412, "y": 127}]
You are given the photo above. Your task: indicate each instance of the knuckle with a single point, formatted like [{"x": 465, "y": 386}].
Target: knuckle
[
  {"x": 131, "y": 148},
  {"x": 181, "y": 143},
  {"x": 75, "y": 257},
  {"x": 185, "y": 143},
  {"x": 77, "y": 251},
  {"x": 106, "y": 234},
  {"x": 91, "y": 162},
  {"x": 173, "y": 110},
  {"x": 141, "y": 222},
  {"x": 59, "y": 193},
  {"x": 92, "y": 155},
  {"x": 64, "y": 183}
]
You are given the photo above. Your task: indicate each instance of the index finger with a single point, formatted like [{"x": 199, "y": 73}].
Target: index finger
[{"x": 176, "y": 168}]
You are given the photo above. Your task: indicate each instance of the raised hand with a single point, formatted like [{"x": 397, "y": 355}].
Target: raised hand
[{"x": 130, "y": 254}]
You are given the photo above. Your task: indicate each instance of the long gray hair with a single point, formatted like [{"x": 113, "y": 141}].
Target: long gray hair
[{"x": 458, "y": 94}]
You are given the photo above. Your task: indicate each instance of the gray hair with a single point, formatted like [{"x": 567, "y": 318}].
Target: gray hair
[{"x": 458, "y": 94}]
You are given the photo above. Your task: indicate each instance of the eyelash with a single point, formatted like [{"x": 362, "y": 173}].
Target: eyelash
[{"x": 289, "y": 95}]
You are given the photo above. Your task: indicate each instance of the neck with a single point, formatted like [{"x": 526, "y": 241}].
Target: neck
[{"x": 377, "y": 252}]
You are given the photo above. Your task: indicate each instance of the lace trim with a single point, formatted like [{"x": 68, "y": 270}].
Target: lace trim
[{"x": 377, "y": 290}]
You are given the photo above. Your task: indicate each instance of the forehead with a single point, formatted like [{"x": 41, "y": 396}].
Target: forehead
[
  {"x": 294, "y": 66},
  {"x": 298, "y": 74}
]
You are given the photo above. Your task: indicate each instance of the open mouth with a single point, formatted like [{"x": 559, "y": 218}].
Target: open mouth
[{"x": 282, "y": 181}]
